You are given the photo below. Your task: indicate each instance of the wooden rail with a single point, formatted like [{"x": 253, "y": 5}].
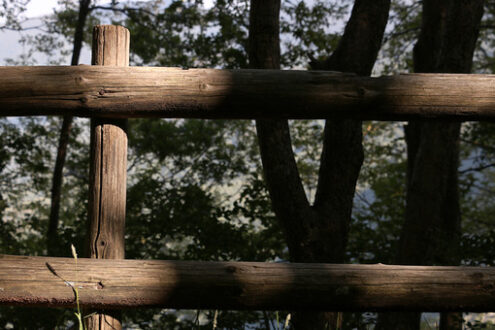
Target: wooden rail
[
  {"x": 44, "y": 281},
  {"x": 92, "y": 91}
]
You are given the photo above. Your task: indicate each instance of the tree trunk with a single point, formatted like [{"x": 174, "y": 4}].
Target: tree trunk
[
  {"x": 432, "y": 227},
  {"x": 316, "y": 233},
  {"x": 53, "y": 244}
]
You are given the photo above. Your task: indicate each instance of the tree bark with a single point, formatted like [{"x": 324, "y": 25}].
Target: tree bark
[
  {"x": 53, "y": 244},
  {"x": 432, "y": 227},
  {"x": 316, "y": 233}
]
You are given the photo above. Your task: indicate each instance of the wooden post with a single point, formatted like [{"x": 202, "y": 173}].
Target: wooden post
[{"x": 107, "y": 196}]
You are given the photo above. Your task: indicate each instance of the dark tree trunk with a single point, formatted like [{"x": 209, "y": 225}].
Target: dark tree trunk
[
  {"x": 432, "y": 227},
  {"x": 84, "y": 11},
  {"x": 53, "y": 243},
  {"x": 316, "y": 233}
]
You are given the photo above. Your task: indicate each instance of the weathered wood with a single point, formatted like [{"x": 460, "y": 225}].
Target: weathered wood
[
  {"x": 208, "y": 93},
  {"x": 107, "y": 190},
  {"x": 108, "y": 169},
  {"x": 28, "y": 281}
]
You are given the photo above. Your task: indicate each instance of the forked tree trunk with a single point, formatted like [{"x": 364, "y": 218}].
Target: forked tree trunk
[
  {"x": 316, "y": 233},
  {"x": 432, "y": 228}
]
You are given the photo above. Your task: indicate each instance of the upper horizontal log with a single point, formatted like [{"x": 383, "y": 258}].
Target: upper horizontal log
[
  {"x": 92, "y": 91},
  {"x": 42, "y": 281}
]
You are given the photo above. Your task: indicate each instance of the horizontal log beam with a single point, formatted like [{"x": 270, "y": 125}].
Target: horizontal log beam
[
  {"x": 44, "y": 281},
  {"x": 92, "y": 91}
]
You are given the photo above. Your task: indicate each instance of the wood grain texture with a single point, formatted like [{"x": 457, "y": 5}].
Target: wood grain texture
[
  {"x": 108, "y": 169},
  {"x": 108, "y": 175},
  {"x": 124, "y": 92},
  {"x": 28, "y": 281}
]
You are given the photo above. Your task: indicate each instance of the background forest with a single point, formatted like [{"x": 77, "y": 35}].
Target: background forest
[{"x": 407, "y": 193}]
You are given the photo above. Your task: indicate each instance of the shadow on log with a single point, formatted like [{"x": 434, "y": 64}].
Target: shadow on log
[
  {"x": 92, "y": 91},
  {"x": 115, "y": 284}
]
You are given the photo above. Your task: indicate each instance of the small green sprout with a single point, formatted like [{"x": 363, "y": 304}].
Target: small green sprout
[{"x": 76, "y": 293}]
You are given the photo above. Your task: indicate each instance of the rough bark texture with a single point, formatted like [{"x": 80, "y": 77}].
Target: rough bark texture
[
  {"x": 115, "y": 284},
  {"x": 264, "y": 35},
  {"x": 431, "y": 231},
  {"x": 316, "y": 233},
  {"x": 57, "y": 181},
  {"x": 108, "y": 169},
  {"x": 113, "y": 92}
]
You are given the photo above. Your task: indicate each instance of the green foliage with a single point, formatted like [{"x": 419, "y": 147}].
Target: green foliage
[
  {"x": 12, "y": 14},
  {"x": 188, "y": 35},
  {"x": 380, "y": 196},
  {"x": 484, "y": 59},
  {"x": 402, "y": 32},
  {"x": 305, "y": 29},
  {"x": 23, "y": 179}
]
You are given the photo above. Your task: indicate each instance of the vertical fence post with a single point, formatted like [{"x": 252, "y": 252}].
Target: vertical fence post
[{"x": 107, "y": 182}]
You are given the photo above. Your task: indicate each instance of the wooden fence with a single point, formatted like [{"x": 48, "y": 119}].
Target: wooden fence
[
  {"x": 96, "y": 91},
  {"x": 109, "y": 92}
]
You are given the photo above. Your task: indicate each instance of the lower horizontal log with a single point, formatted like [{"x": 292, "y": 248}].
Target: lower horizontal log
[{"x": 42, "y": 281}]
